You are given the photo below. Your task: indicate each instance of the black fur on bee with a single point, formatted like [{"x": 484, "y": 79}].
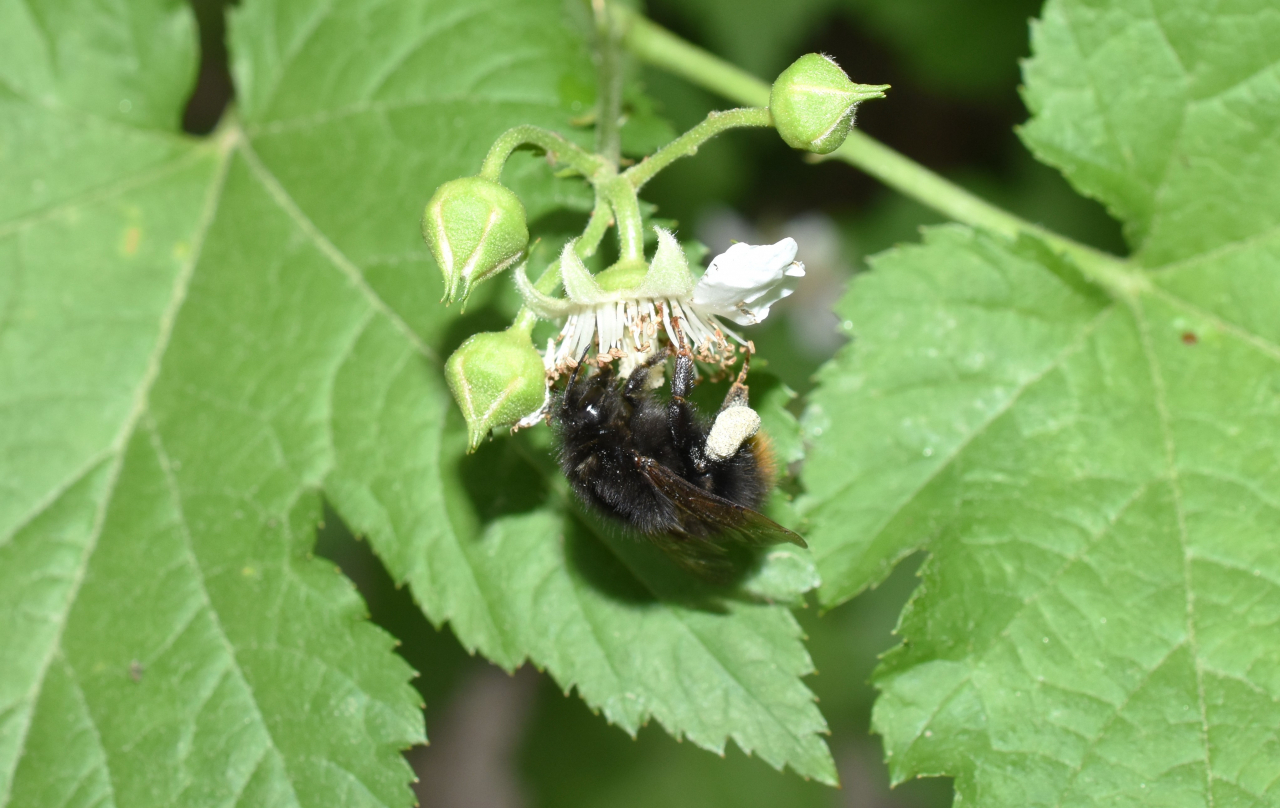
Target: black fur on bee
[{"x": 643, "y": 461}]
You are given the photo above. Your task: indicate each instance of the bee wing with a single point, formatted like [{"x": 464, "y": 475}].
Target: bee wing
[{"x": 717, "y": 514}]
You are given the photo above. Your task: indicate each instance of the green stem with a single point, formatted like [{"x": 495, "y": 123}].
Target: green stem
[
  {"x": 586, "y": 247},
  {"x": 687, "y": 144},
  {"x": 592, "y": 235},
  {"x": 626, "y": 212},
  {"x": 660, "y": 48},
  {"x": 609, "y": 23},
  {"x": 557, "y": 148},
  {"x": 914, "y": 180}
]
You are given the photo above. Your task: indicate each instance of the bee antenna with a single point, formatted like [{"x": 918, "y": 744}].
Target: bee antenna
[
  {"x": 742, "y": 374},
  {"x": 573, "y": 377}
]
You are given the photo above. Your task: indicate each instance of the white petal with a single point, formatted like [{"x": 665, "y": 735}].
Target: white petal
[{"x": 745, "y": 280}]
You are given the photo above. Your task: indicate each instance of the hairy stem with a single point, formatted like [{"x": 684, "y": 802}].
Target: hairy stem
[
  {"x": 621, "y": 196},
  {"x": 589, "y": 241},
  {"x": 660, "y": 48},
  {"x": 609, "y": 54},
  {"x": 557, "y": 148},
  {"x": 687, "y": 144}
]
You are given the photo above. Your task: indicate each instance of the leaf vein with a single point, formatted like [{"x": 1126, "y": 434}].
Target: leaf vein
[
  {"x": 193, "y": 560},
  {"x": 103, "y": 193},
  {"x": 57, "y": 492},
  {"x": 295, "y": 48},
  {"x": 78, "y": 693},
  {"x": 1166, "y": 428},
  {"x": 140, "y": 402},
  {"x": 1076, "y": 344},
  {"x": 1264, "y": 346},
  {"x": 1116, "y": 714},
  {"x": 439, "y": 27},
  {"x": 340, "y": 261},
  {"x": 382, "y": 107}
]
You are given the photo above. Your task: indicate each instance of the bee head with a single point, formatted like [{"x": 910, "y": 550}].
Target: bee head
[{"x": 586, "y": 401}]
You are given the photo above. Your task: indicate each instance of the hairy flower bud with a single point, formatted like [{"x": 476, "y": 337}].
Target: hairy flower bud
[
  {"x": 497, "y": 378},
  {"x": 475, "y": 228},
  {"x": 813, "y": 103}
]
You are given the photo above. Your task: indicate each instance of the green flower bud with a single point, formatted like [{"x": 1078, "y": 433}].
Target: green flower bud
[
  {"x": 813, "y": 103},
  {"x": 497, "y": 378},
  {"x": 475, "y": 229}
]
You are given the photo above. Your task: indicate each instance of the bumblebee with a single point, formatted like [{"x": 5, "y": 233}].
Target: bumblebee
[{"x": 690, "y": 484}]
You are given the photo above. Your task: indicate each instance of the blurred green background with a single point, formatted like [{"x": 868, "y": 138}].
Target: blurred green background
[{"x": 500, "y": 740}]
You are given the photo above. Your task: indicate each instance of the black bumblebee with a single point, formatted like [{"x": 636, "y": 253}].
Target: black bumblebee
[{"x": 665, "y": 469}]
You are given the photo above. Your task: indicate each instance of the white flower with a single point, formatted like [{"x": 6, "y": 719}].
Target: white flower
[
  {"x": 741, "y": 284},
  {"x": 744, "y": 281}
]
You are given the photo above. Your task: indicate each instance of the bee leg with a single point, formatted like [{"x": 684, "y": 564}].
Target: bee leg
[
  {"x": 682, "y": 380},
  {"x": 735, "y": 424},
  {"x": 680, "y": 416},
  {"x": 737, "y": 395},
  {"x": 639, "y": 378}
]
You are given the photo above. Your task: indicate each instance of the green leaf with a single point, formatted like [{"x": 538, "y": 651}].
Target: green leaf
[
  {"x": 203, "y": 338},
  {"x": 1090, "y": 467},
  {"x": 1166, "y": 113},
  {"x": 167, "y": 638},
  {"x": 610, "y": 769}
]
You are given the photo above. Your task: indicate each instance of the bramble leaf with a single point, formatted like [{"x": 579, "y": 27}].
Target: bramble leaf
[
  {"x": 201, "y": 339},
  {"x": 1090, "y": 467},
  {"x": 168, "y": 640},
  {"x": 1166, "y": 113}
]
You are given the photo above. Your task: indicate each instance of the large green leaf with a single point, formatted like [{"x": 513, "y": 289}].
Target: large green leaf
[
  {"x": 612, "y": 770},
  {"x": 167, "y": 638},
  {"x": 202, "y": 339},
  {"x": 1166, "y": 112},
  {"x": 1092, "y": 467}
]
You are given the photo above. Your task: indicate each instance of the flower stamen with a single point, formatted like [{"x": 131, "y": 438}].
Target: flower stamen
[{"x": 602, "y": 325}]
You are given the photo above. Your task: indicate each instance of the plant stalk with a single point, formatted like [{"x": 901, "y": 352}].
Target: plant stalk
[
  {"x": 660, "y": 48},
  {"x": 557, "y": 148},
  {"x": 609, "y": 21},
  {"x": 687, "y": 144},
  {"x": 621, "y": 196}
]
